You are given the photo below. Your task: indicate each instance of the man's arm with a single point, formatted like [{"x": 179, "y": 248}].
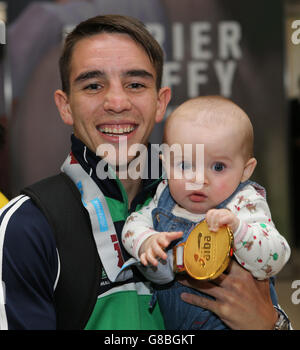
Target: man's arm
[
  {"x": 29, "y": 267},
  {"x": 241, "y": 301}
]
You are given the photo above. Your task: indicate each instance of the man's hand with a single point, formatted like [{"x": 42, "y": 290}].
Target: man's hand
[
  {"x": 241, "y": 301},
  {"x": 153, "y": 247},
  {"x": 216, "y": 218}
]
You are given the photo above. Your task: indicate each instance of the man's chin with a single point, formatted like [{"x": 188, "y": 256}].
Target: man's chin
[{"x": 126, "y": 161}]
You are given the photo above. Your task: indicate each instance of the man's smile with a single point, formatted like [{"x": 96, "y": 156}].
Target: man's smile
[{"x": 114, "y": 131}]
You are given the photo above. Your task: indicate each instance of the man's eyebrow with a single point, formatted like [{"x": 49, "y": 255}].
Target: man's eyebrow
[
  {"x": 99, "y": 74},
  {"x": 88, "y": 75},
  {"x": 139, "y": 73}
]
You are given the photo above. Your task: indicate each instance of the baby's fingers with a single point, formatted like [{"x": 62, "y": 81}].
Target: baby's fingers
[
  {"x": 211, "y": 218},
  {"x": 158, "y": 251},
  {"x": 143, "y": 259},
  {"x": 171, "y": 236},
  {"x": 168, "y": 237},
  {"x": 216, "y": 218},
  {"x": 152, "y": 255},
  {"x": 148, "y": 258}
]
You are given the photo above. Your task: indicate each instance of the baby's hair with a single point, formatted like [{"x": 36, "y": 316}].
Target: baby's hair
[{"x": 217, "y": 111}]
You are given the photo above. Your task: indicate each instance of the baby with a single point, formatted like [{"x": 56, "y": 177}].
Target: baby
[{"x": 224, "y": 195}]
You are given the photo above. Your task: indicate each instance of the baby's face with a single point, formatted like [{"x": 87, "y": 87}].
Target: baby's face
[{"x": 204, "y": 178}]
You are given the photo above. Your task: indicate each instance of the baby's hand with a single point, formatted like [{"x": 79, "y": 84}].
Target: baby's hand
[
  {"x": 216, "y": 218},
  {"x": 153, "y": 247}
]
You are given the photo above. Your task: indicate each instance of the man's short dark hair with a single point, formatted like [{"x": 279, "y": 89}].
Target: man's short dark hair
[{"x": 111, "y": 24}]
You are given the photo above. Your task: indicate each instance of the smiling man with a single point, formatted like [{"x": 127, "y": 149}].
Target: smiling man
[
  {"x": 111, "y": 72},
  {"x": 113, "y": 92}
]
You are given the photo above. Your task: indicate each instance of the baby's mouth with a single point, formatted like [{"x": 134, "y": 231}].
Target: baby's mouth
[{"x": 197, "y": 197}]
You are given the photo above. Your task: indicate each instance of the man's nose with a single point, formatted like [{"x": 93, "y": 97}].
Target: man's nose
[{"x": 116, "y": 99}]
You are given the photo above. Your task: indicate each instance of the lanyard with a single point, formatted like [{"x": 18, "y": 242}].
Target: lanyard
[{"x": 103, "y": 228}]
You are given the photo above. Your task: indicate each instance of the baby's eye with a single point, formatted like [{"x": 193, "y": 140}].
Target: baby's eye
[
  {"x": 218, "y": 166},
  {"x": 184, "y": 165}
]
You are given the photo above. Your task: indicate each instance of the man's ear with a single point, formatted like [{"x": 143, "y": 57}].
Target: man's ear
[
  {"x": 164, "y": 97},
  {"x": 249, "y": 168},
  {"x": 63, "y": 106}
]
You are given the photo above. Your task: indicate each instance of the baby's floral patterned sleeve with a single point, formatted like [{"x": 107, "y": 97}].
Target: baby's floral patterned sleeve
[{"x": 258, "y": 246}]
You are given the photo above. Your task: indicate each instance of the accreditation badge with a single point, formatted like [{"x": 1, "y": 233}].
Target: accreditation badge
[{"x": 205, "y": 254}]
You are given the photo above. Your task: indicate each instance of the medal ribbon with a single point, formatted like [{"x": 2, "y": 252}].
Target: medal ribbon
[{"x": 104, "y": 232}]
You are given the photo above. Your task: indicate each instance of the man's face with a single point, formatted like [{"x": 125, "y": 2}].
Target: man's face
[{"x": 113, "y": 95}]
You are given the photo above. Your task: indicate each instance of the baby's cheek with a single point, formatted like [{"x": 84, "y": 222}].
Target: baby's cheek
[{"x": 223, "y": 190}]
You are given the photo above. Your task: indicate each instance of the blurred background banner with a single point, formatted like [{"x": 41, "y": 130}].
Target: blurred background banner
[{"x": 232, "y": 48}]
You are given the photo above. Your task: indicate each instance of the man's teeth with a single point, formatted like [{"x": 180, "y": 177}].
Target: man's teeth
[{"x": 107, "y": 130}]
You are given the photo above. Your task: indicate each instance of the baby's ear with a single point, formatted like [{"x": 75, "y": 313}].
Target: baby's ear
[{"x": 249, "y": 168}]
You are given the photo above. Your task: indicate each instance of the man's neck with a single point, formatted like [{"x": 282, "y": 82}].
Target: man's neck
[{"x": 132, "y": 188}]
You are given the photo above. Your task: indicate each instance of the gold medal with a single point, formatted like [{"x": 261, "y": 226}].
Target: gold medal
[{"x": 205, "y": 254}]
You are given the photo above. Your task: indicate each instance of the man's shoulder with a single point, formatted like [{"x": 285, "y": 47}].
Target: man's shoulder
[
  {"x": 29, "y": 265},
  {"x": 21, "y": 220}
]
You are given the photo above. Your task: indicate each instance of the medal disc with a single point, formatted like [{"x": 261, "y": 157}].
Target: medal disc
[{"x": 207, "y": 254}]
